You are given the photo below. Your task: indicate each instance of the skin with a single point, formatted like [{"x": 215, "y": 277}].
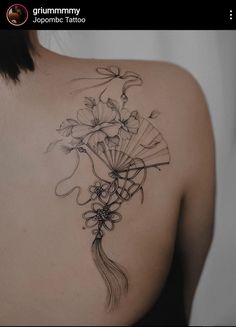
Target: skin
[{"x": 47, "y": 274}]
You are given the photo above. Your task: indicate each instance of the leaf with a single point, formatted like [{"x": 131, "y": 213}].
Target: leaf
[
  {"x": 51, "y": 146},
  {"x": 66, "y": 126},
  {"x": 154, "y": 114},
  {"x": 90, "y": 102},
  {"x": 113, "y": 104}
]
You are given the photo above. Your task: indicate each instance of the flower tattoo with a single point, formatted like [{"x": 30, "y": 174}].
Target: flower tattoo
[
  {"x": 98, "y": 190},
  {"x": 104, "y": 216},
  {"x": 128, "y": 145}
]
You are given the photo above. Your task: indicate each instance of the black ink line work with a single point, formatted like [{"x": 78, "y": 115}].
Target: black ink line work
[{"x": 127, "y": 144}]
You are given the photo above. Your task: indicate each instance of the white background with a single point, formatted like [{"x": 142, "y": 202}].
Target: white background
[{"x": 211, "y": 57}]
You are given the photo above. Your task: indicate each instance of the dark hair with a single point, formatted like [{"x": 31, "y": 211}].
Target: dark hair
[{"x": 16, "y": 53}]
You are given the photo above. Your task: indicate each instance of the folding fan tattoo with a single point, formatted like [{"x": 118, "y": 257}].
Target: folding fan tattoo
[{"x": 128, "y": 145}]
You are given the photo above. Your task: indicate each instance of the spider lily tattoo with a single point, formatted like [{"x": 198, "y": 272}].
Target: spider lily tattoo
[{"x": 128, "y": 145}]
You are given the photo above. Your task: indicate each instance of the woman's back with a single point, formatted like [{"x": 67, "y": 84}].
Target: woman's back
[{"x": 96, "y": 158}]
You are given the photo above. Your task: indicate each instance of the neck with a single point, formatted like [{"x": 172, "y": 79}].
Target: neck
[
  {"x": 39, "y": 50},
  {"x": 34, "y": 39}
]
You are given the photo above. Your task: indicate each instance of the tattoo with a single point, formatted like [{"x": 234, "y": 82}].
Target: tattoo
[{"x": 128, "y": 145}]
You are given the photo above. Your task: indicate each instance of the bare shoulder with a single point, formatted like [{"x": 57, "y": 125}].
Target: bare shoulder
[
  {"x": 183, "y": 97},
  {"x": 172, "y": 78},
  {"x": 184, "y": 116},
  {"x": 179, "y": 99},
  {"x": 173, "y": 87},
  {"x": 187, "y": 124}
]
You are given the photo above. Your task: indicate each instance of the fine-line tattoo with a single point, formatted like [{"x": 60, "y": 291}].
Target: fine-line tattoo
[{"x": 127, "y": 144}]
